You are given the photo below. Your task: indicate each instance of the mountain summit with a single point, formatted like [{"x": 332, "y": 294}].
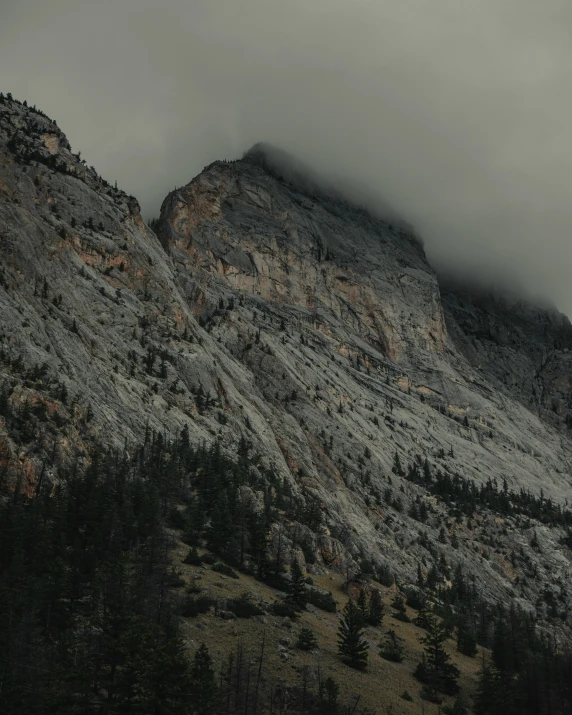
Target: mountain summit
[{"x": 263, "y": 309}]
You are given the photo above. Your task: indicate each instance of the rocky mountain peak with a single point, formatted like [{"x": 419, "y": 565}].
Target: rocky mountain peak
[{"x": 262, "y": 310}]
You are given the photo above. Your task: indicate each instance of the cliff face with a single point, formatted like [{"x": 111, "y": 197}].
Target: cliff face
[
  {"x": 317, "y": 331},
  {"x": 331, "y": 262}
]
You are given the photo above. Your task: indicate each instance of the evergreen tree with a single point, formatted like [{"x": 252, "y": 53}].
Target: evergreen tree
[
  {"x": 296, "y": 591},
  {"x": 397, "y": 468},
  {"x": 375, "y": 609},
  {"x": 458, "y": 707},
  {"x": 351, "y": 645},
  {"x": 306, "y": 640},
  {"x": 436, "y": 669},
  {"x": 203, "y": 683},
  {"x": 391, "y": 647},
  {"x": 466, "y": 641},
  {"x": 329, "y": 694}
]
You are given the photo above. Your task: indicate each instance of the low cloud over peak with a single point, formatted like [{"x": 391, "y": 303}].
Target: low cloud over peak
[{"x": 456, "y": 113}]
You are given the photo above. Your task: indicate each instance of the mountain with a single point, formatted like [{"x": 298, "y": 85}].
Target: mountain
[{"x": 264, "y": 308}]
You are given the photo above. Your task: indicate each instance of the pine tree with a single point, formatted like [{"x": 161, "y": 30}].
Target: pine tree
[
  {"x": 391, "y": 647},
  {"x": 466, "y": 641},
  {"x": 296, "y": 591},
  {"x": 458, "y": 707},
  {"x": 375, "y": 609},
  {"x": 329, "y": 694},
  {"x": 351, "y": 645},
  {"x": 436, "y": 669},
  {"x": 486, "y": 694},
  {"x": 203, "y": 683},
  {"x": 397, "y": 468},
  {"x": 306, "y": 640},
  {"x": 423, "y": 617}
]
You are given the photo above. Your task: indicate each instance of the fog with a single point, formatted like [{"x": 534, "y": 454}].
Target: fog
[{"x": 456, "y": 112}]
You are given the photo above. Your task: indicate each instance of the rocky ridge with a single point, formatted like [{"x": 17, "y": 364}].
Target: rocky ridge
[{"x": 320, "y": 333}]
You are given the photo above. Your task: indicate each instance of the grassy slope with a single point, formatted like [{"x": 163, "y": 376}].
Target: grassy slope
[{"x": 380, "y": 686}]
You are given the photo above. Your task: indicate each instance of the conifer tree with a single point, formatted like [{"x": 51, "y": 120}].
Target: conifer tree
[
  {"x": 436, "y": 669},
  {"x": 375, "y": 609},
  {"x": 351, "y": 645},
  {"x": 306, "y": 640},
  {"x": 391, "y": 647},
  {"x": 466, "y": 641},
  {"x": 296, "y": 591},
  {"x": 203, "y": 683}
]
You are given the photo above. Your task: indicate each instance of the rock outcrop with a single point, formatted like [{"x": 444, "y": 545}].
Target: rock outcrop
[{"x": 260, "y": 309}]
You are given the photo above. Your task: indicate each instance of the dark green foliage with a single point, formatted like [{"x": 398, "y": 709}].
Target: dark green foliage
[
  {"x": 397, "y": 468},
  {"x": 361, "y": 604},
  {"x": 329, "y": 694},
  {"x": 458, "y": 708},
  {"x": 399, "y": 613},
  {"x": 193, "y": 606},
  {"x": 392, "y": 647},
  {"x": 244, "y": 607},
  {"x": 422, "y": 620},
  {"x": 286, "y": 609},
  {"x": 351, "y": 645},
  {"x": 306, "y": 640},
  {"x": 374, "y": 615},
  {"x": 224, "y": 569},
  {"x": 193, "y": 558},
  {"x": 435, "y": 669},
  {"x": 296, "y": 591},
  {"x": 466, "y": 641},
  {"x": 385, "y": 576},
  {"x": 176, "y": 519},
  {"x": 174, "y": 579},
  {"x": 467, "y": 496},
  {"x": 406, "y": 696},
  {"x": 321, "y": 599},
  {"x": 208, "y": 559},
  {"x": 203, "y": 683},
  {"x": 98, "y": 625}
]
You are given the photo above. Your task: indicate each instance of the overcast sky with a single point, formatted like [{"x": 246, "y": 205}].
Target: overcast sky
[{"x": 459, "y": 112}]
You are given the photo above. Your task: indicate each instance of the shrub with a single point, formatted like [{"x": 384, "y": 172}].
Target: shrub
[
  {"x": 193, "y": 587},
  {"x": 194, "y": 605},
  {"x": 193, "y": 558},
  {"x": 244, "y": 607},
  {"x": 322, "y": 600},
  {"x": 399, "y": 616},
  {"x": 399, "y": 605},
  {"x": 176, "y": 519},
  {"x": 458, "y": 707},
  {"x": 306, "y": 639},
  {"x": 384, "y": 576},
  {"x": 392, "y": 647},
  {"x": 283, "y": 608},
  {"x": 175, "y": 579},
  {"x": 415, "y": 597},
  {"x": 224, "y": 569}
]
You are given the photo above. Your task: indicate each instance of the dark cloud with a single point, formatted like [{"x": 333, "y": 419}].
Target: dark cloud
[{"x": 456, "y": 111}]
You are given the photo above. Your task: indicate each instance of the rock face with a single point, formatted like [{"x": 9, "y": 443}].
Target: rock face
[{"x": 317, "y": 331}]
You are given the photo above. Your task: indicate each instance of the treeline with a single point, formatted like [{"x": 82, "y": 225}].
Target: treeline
[
  {"x": 87, "y": 620},
  {"x": 528, "y": 673},
  {"x": 467, "y": 496},
  {"x": 89, "y": 609}
]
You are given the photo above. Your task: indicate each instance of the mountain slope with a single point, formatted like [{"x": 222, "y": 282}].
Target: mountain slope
[{"x": 300, "y": 322}]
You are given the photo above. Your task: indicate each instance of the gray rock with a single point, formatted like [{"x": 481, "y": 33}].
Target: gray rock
[{"x": 361, "y": 355}]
